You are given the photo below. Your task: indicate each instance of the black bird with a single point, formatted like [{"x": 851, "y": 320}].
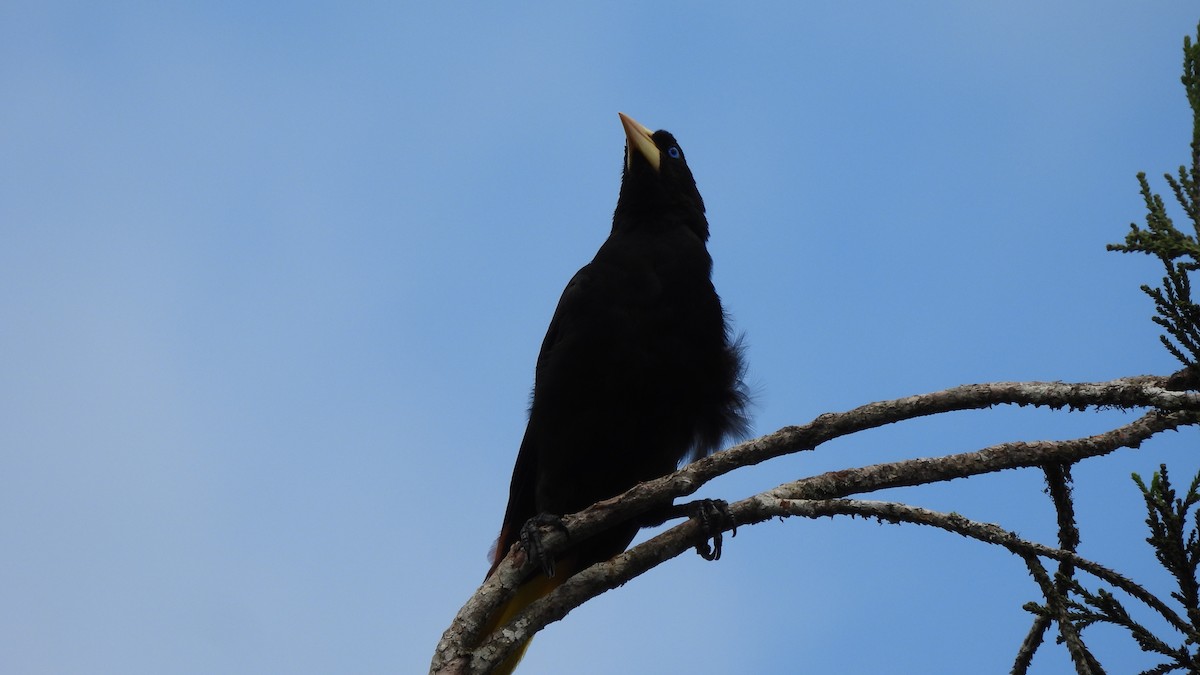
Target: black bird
[{"x": 637, "y": 372}]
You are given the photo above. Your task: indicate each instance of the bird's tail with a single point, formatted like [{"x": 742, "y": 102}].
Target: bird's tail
[{"x": 537, "y": 587}]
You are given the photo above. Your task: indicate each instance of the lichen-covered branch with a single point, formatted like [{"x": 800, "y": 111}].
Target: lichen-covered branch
[{"x": 463, "y": 650}]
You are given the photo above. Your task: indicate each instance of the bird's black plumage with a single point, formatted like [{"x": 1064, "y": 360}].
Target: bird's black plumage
[{"x": 638, "y": 369}]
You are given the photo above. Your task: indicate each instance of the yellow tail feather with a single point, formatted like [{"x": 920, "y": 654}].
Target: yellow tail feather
[{"x": 533, "y": 589}]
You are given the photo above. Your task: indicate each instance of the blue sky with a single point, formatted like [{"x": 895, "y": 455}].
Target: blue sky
[{"x": 274, "y": 277}]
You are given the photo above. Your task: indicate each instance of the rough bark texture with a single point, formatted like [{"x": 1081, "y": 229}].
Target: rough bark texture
[{"x": 463, "y": 650}]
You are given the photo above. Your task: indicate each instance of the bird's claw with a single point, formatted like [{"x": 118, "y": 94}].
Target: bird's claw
[
  {"x": 531, "y": 539},
  {"x": 714, "y": 517}
]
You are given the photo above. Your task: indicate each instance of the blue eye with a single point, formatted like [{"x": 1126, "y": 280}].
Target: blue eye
[{"x": 673, "y": 151}]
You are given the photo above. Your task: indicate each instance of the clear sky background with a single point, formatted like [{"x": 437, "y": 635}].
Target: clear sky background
[{"x": 273, "y": 278}]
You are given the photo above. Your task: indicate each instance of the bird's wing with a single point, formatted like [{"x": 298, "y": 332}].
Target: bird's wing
[
  {"x": 564, "y": 314},
  {"x": 522, "y": 504}
]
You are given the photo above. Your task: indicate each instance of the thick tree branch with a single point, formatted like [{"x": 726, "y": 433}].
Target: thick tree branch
[{"x": 455, "y": 653}]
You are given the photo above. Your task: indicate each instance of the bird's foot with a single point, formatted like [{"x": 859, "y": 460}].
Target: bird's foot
[
  {"x": 531, "y": 539},
  {"x": 714, "y": 517}
]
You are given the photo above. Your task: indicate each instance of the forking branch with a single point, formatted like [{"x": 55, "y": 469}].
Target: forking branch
[{"x": 463, "y": 650}]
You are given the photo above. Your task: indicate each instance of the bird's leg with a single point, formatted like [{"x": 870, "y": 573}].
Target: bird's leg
[
  {"x": 713, "y": 515},
  {"x": 531, "y": 539}
]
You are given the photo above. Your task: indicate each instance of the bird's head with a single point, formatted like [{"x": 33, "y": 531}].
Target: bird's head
[{"x": 656, "y": 179}]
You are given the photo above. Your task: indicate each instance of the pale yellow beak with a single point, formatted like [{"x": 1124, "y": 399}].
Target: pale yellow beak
[{"x": 639, "y": 137}]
